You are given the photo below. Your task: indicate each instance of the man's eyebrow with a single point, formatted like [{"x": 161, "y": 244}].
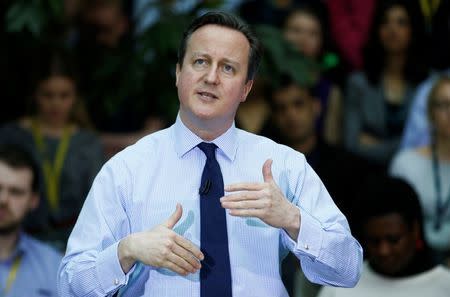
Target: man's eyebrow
[
  {"x": 232, "y": 62},
  {"x": 200, "y": 54},
  {"x": 224, "y": 60}
]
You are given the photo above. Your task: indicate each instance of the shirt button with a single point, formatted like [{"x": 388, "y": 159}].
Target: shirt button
[
  {"x": 116, "y": 282},
  {"x": 306, "y": 247}
]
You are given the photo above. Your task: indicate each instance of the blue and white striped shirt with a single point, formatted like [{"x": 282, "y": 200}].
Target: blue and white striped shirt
[{"x": 140, "y": 186}]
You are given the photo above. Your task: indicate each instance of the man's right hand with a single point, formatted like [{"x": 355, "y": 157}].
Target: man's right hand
[{"x": 161, "y": 247}]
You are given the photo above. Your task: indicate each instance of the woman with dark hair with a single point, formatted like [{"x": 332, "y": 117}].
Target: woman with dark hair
[
  {"x": 55, "y": 132},
  {"x": 399, "y": 262},
  {"x": 307, "y": 28},
  {"x": 378, "y": 98},
  {"x": 427, "y": 169}
]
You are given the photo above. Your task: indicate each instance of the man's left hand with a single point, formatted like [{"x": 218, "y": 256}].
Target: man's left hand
[{"x": 264, "y": 201}]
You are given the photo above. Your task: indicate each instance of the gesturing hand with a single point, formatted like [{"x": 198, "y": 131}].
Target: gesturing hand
[
  {"x": 161, "y": 247},
  {"x": 264, "y": 201}
]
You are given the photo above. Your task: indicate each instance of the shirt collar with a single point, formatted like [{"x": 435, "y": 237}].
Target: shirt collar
[
  {"x": 185, "y": 140},
  {"x": 20, "y": 248},
  {"x": 22, "y": 244}
]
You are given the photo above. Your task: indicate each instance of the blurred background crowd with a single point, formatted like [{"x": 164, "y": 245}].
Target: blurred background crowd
[{"x": 361, "y": 87}]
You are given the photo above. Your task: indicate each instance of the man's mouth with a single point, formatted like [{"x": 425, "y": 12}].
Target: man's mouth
[{"x": 207, "y": 95}]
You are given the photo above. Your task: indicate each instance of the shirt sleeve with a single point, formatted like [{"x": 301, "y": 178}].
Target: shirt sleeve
[
  {"x": 328, "y": 253},
  {"x": 91, "y": 266}
]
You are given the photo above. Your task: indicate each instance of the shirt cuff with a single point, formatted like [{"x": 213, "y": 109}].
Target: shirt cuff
[
  {"x": 109, "y": 271},
  {"x": 309, "y": 239}
]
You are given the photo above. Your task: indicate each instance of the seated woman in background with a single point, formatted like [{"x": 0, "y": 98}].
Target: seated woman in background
[
  {"x": 55, "y": 133},
  {"x": 307, "y": 28},
  {"x": 427, "y": 169},
  {"x": 378, "y": 98},
  {"x": 399, "y": 262}
]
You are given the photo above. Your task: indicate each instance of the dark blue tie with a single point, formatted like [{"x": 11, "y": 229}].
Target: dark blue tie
[{"x": 215, "y": 274}]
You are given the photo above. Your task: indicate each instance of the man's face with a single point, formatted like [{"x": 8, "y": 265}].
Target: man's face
[
  {"x": 295, "y": 113},
  {"x": 212, "y": 81},
  {"x": 16, "y": 197},
  {"x": 391, "y": 243},
  {"x": 107, "y": 21}
]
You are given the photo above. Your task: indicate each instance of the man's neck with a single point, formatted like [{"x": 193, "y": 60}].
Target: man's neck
[
  {"x": 208, "y": 131},
  {"x": 8, "y": 243},
  {"x": 306, "y": 145}
]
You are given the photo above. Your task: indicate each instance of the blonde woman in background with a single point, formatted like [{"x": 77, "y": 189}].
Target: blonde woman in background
[{"x": 427, "y": 169}]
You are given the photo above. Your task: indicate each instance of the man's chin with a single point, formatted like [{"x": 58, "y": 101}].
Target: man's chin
[
  {"x": 9, "y": 229},
  {"x": 389, "y": 270}
]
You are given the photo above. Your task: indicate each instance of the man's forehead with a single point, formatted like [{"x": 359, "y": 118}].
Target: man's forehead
[
  {"x": 221, "y": 36},
  {"x": 9, "y": 174},
  {"x": 293, "y": 91}
]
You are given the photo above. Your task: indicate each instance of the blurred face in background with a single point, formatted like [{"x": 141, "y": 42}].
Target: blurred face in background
[
  {"x": 106, "y": 22},
  {"x": 16, "y": 197},
  {"x": 395, "y": 30},
  {"x": 440, "y": 110},
  {"x": 295, "y": 112},
  {"x": 304, "y": 31},
  {"x": 390, "y": 243},
  {"x": 55, "y": 98}
]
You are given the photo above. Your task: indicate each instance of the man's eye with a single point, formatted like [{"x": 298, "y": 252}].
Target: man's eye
[
  {"x": 393, "y": 239},
  {"x": 199, "y": 62},
  {"x": 228, "y": 68}
]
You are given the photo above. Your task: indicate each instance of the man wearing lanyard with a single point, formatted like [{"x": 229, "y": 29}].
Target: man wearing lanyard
[
  {"x": 203, "y": 208},
  {"x": 27, "y": 266}
]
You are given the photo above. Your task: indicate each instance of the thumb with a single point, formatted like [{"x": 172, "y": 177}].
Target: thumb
[
  {"x": 267, "y": 171},
  {"x": 175, "y": 217}
]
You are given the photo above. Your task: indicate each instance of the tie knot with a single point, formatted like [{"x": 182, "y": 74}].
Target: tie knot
[{"x": 209, "y": 149}]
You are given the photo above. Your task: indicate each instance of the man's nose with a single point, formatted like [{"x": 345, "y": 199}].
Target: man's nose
[
  {"x": 3, "y": 197},
  {"x": 212, "y": 77},
  {"x": 384, "y": 248}
]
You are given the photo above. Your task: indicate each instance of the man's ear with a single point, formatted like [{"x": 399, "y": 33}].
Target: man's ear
[
  {"x": 317, "y": 107},
  {"x": 34, "y": 202},
  {"x": 123, "y": 25},
  {"x": 177, "y": 74},
  {"x": 247, "y": 88}
]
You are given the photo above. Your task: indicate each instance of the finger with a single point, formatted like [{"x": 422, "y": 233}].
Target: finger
[
  {"x": 175, "y": 217},
  {"x": 182, "y": 263},
  {"x": 187, "y": 256},
  {"x": 175, "y": 268},
  {"x": 190, "y": 247},
  {"x": 267, "y": 171},
  {"x": 244, "y": 187},
  {"x": 247, "y": 195},
  {"x": 253, "y": 204},
  {"x": 257, "y": 213}
]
